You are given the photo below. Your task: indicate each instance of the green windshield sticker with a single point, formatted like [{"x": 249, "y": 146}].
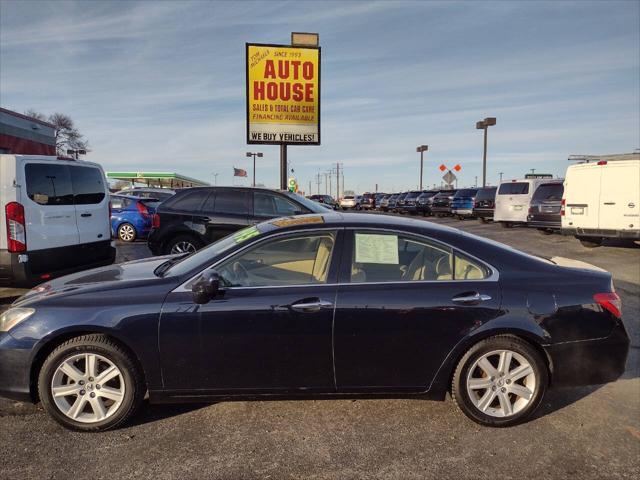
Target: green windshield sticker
[{"x": 245, "y": 234}]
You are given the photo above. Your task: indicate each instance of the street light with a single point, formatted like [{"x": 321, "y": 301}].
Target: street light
[
  {"x": 215, "y": 178},
  {"x": 484, "y": 125},
  {"x": 421, "y": 149},
  {"x": 76, "y": 152},
  {"x": 254, "y": 155}
]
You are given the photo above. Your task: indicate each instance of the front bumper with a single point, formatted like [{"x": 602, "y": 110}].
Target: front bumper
[
  {"x": 589, "y": 362},
  {"x": 15, "y": 367}
]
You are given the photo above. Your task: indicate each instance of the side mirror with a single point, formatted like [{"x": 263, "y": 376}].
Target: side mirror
[{"x": 206, "y": 287}]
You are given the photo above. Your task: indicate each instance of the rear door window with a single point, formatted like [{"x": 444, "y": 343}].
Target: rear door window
[
  {"x": 486, "y": 194},
  {"x": 514, "y": 188},
  {"x": 269, "y": 205},
  {"x": 88, "y": 185},
  {"x": 231, "y": 202},
  {"x": 189, "y": 201},
  {"x": 49, "y": 184}
]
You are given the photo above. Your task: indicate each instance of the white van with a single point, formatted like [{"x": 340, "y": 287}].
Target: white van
[
  {"x": 513, "y": 198},
  {"x": 54, "y": 218},
  {"x": 602, "y": 200}
]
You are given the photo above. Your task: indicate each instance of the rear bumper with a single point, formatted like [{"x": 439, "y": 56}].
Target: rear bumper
[
  {"x": 544, "y": 221},
  {"x": 462, "y": 211},
  {"x": 446, "y": 210},
  {"x": 590, "y": 362},
  {"x": 15, "y": 369},
  {"x": 596, "y": 232},
  {"x": 483, "y": 213},
  {"x": 27, "y": 269}
]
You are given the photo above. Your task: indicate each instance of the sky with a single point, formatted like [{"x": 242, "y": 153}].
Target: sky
[{"x": 160, "y": 86}]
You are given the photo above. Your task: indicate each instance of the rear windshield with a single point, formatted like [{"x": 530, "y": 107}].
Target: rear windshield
[
  {"x": 466, "y": 192},
  {"x": 348, "y": 197},
  {"x": 56, "y": 184},
  {"x": 486, "y": 194},
  {"x": 514, "y": 188},
  {"x": 549, "y": 191}
]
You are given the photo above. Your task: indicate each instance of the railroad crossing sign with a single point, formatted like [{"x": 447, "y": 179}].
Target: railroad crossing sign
[
  {"x": 457, "y": 168},
  {"x": 449, "y": 177},
  {"x": 442, "y": 167}
]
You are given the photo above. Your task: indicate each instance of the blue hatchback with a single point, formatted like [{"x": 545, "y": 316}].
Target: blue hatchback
[
  {"x": 462, "y": 203},
  {"x": 131, "y": 217}
]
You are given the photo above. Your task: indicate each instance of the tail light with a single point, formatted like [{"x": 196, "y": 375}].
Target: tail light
[
  {"x": 609, "y": 301},
  {"x": 562, "y": 205},
  {"x": 16, "y": 232},
  {"x": 142, "y": 208},
  {"x": 155, "y": 221},
  {"x": 532, "y": 209}
]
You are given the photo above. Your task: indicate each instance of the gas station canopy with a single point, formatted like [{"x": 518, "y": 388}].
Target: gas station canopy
[{"x": 156, "y": 179}]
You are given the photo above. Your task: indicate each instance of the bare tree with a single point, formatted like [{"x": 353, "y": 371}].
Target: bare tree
[{"x": 67, "y": 135}]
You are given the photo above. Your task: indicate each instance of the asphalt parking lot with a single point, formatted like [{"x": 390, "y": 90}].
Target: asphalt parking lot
[{"x": 591, "y": 432}]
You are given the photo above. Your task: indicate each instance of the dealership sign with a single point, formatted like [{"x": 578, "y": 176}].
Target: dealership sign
[{"x": 283, "y": 94}]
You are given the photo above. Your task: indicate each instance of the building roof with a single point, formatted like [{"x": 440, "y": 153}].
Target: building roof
[{"x": 165, "y": 179}]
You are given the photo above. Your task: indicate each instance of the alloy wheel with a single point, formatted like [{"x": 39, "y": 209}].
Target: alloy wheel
[
  {"x": 126, "y": 232},
  {"x": 183, "y": 247},
  {"x": 501, "y": 383},
  {"x": 88, "y": 388}
]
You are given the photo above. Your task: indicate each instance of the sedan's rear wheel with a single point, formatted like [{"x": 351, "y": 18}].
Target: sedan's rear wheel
[
  {"x": 90, "y": 383},
  {"x": 500, "y": 381}
]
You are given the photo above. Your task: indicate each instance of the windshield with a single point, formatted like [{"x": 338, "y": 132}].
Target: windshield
[
  {"x": 181, "y": 265},
  {"x": 310, "y": 204},
  {"x": 412, "y": 195}
]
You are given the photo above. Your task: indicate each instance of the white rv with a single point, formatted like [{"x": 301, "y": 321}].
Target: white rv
[
  {"x": 513, "y": 198},
  {"x": 602, "y": 199},
  {"x": 54, "y": 215}
]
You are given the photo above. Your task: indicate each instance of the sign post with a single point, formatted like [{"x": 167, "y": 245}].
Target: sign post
[{"x": 283, "y": 97}]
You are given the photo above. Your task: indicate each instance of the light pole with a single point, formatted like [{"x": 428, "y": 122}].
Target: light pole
[
  {"x": 501, "y": 173},
  {"x": 476, "y": 184},
  {"x": 254, "y": 155},
  {"x": 76, "y": 152},
  {"x": 215, "y": 178},
  {"x": 484, "y": 125},
  {"x": 421, "y": 149},
  {"x": 533, "y": 170}
]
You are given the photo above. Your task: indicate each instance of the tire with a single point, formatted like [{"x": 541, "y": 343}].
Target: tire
[
  {"x": 127, "y": 233},
  {"x": 490, "y": 406},
  {"x": 482, "y": 219},
  {"x": 506, "y": 224},
  {"x": 591, "y": 242},
  {"x": 545, "y": 231},
  {"x": 183, "y": 244},
  {"x": 128, "y": 385}
]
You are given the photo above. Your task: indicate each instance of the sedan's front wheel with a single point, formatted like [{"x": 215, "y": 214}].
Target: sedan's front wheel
[
  {"x": 500, "y": 381},
  {"x": 90, "y": 383}
]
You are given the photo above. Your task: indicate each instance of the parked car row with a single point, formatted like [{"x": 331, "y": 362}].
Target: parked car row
[{"x": 596, "y": 201}]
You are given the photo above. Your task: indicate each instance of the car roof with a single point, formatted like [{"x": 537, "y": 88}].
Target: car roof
[{"x": 134, "y": 197}]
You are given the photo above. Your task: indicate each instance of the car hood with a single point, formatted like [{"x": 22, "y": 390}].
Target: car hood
[{"x": 97, "y": 278}]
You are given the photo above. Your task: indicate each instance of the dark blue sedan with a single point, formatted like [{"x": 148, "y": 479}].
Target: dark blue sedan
[
  {"x": 131, "y": 217},
  {"x": 322, "y": 304}
]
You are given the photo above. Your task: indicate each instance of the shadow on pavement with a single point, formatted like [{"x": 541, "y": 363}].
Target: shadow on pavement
[{"x": 150, "y": 413}]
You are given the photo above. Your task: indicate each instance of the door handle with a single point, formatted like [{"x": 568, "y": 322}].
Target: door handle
[
  {"x": 85, "y": 215},
  {"x": 310, "y": 307},
  {"x": 609, "y": 203},
  {"x": 471, "y": 298}
]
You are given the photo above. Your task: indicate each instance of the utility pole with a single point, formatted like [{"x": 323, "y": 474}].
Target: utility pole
[
  {"x": 318, "y": 182},
  {"x": 338, "y": 165},
  {"x": 476, "y": 184},
  {"x": 533, "y": 170},
  {"x": 309, "y": 187},
  {"x": 329, "y": 173},
  {"x": 283, "y": 167},
  {"x": 326, "y": 188},
  {"x": 501, "y": 173}
]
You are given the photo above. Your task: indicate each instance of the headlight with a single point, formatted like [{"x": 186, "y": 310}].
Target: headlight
[{"x": 14, "y": 316}]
